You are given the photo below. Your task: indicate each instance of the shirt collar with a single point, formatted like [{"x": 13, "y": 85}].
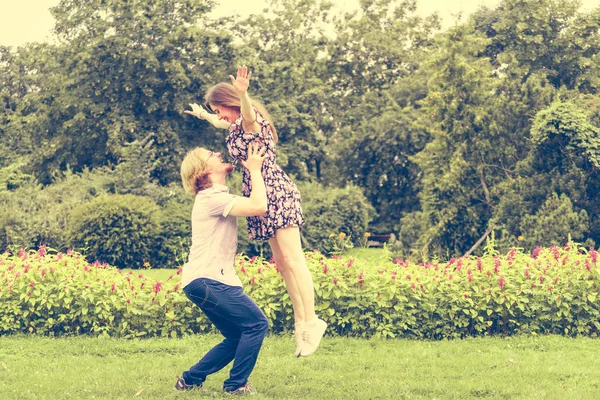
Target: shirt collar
[{"x": 220, "y": 188}]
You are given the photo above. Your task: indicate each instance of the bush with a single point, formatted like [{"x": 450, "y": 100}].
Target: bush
[
  {"x": 330, "y": 211},
  {"x": 122, "y": 230},
  {"x": 33, "y": 215},
  {"x": 65, "y": 295},
  {"x": 551, "y": 291},
  {"x": 175, "y": 235}
]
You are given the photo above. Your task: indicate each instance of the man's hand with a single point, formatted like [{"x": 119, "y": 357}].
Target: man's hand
[{"x": 256, "y": 156}]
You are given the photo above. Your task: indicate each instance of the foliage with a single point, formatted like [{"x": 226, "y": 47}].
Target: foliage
[
  {"x": 550, "y": 291},
  {"x": 553, "y": 192},
  {"x": 330, "y": 211},
  {"x": 63, "y": 294},
  {"x": 118, "y": 229}
]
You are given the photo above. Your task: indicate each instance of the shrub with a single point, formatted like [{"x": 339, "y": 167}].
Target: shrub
[
  {"x": 122, "y": 230},
  {"x": 65, "y": 295},
  {"x": 551, "y": 291},
  {"x": 175, "y": 235},
  {"x": 330, "y": 211},
  {"x": 33, "y": 215}
]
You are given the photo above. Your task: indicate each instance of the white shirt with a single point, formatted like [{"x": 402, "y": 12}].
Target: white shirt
[{"x": 214, "y": 238}]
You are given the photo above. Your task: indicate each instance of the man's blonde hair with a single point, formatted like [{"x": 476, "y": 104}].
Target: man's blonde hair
[{"x": 195, "y": 175}]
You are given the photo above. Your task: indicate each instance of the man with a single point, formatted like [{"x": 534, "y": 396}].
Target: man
[{"x": 209, "y": 278}]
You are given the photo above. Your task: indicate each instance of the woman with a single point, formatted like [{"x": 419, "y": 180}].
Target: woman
[{"x": 248, "y": 121}]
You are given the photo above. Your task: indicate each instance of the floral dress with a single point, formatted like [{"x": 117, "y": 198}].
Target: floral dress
[{"x": 283, "y": 198}]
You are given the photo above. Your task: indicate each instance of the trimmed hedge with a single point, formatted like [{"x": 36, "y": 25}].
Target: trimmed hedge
[
  {"x": 552, "y": 291},
  {"x": 118, "y": 229}
]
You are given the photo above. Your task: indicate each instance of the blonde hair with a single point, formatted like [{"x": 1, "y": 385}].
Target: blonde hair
[
  {"x": 195, "y": 175},
  {"x": 224, "y": 94}
]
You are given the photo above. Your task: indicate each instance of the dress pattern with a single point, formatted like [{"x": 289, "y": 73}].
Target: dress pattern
[{"x": 283, "y": 198}]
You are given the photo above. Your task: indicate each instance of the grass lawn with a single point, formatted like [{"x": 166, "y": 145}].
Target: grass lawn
[
  {"x": 548, "y": 367},
  {"x": 372, "y": 255}
]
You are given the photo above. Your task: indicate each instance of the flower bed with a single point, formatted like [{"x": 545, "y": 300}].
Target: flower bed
[{"x": 554, "y": 290}]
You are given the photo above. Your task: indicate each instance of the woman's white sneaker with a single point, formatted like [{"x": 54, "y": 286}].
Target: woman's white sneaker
[{"x": 312, "y": 335}]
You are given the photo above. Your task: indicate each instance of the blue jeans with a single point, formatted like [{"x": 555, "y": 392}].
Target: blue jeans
[{"x": 242, "y": 323}]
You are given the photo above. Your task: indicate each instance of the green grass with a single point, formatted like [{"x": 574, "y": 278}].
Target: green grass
[
  {"x": 155, "y": 273},
  {"x": 371, "y": 255},
  {"x": 549, "y": 367}
]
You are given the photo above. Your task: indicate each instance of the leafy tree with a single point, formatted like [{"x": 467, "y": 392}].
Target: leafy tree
[
  {"x": 455, "y": 196},
  {"x": 544, "y": 35},
  {"x": 123, "y": 69},
  {"x": 560, "y": 175}
]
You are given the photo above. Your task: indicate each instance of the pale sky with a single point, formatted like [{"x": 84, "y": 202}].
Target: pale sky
[{"x": 23, "y": 21}]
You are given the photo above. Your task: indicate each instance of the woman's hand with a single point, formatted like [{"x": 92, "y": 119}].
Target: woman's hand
[
  {"x": 242, "y": 81},
  {"x": 197, "y": 111},
  {"x": 256, "y": 156}
]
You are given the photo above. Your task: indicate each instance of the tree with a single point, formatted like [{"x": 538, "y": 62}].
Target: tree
[
  {"x": 455, "y": 193},
  {"x": 544, "y": 35},
  {"x": 559, "y": 178},
  {"x": 122, "y": 70}
]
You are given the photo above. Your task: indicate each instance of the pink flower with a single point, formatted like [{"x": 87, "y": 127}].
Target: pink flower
[
  {"x": 594, "y": 255},
  {"x": 179, "y": 271},
  {"x": 112, "y": 287},
  {"x": 176, "y": 288},
  {"x": 479, "y": 264},
  {"x": 43, "y": 273},
  {"x": 70, "y": 252},
  {"x": 158, "y": 287},
  {"x": 501, "y": 281},
  {"x": 325, "y": 269},
  {"x": 42, "y": 251},
  {"x": 128, "y": 301},
  {"x": 59, "y": 256},
  {"x": 555, "y": 252},
  {"x": 335, "y": 281},
  {"x": 360, "y": 280},
  {"x": 469, "y": 277},
  {"x": 511, "y": 255},
  {"x": 350, "y": 262},
  {"x": 541, "y": 279},
  {"x": 32, "y": 284},
  {"x": 497, "y": 266},
  {"x": 536, "y": 252}
]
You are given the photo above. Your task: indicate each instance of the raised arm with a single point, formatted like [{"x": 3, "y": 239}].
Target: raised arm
[
  {"x": 241, "y": 83},
  {"x": 256, "y": 204},
  {"x": 199, "y": 112}
]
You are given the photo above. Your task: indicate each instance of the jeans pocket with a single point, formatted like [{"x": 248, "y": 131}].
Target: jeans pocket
[{"x": 203, "y": 296}]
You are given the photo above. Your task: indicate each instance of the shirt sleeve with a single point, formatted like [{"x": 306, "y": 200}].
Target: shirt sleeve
[{"x": 220, "y": 204}]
